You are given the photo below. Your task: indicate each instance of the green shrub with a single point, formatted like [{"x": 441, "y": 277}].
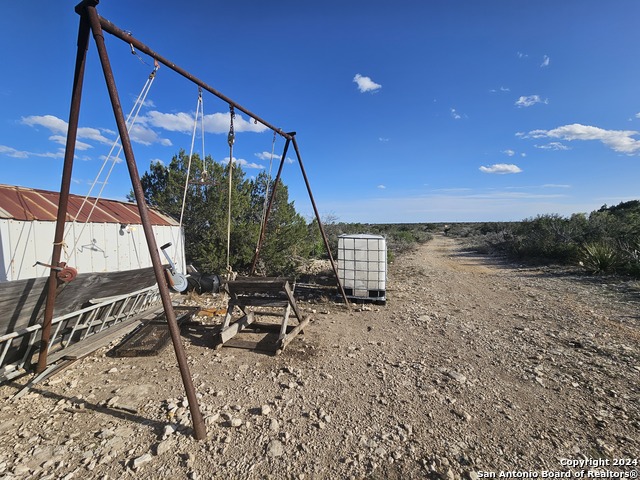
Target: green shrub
[{"x": 600, "y": 257}]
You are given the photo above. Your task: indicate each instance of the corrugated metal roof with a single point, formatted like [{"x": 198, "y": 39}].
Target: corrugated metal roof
[{"x": 21, "y": 203}]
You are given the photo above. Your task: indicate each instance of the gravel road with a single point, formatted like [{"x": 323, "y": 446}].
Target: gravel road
[{"x": 472, "y": 368}]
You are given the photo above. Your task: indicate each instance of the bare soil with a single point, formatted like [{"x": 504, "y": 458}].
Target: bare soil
[{"x": 473, "y": 366}]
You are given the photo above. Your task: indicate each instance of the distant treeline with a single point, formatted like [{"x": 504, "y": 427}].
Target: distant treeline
[{"x": 605, "y": 241}]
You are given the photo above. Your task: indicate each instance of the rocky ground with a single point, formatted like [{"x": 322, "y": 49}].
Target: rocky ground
[{"x": 472, "y": 367}]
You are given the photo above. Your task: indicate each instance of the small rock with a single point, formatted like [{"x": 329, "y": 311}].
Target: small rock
[
  {"x": 236, "y": 422},
  {"x": 168, "y": 431},
  {"x": 265, "y": 410},
  {"x": 274, "y": 426},
  {"x": 275, "y": 448},
  {"x": 141, "y": 460},
  {"x": 457, "y": 376},
  {"x": 163, "y": 447}
]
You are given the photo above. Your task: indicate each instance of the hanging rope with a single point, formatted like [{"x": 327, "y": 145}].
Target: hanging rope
[
  {"x": 268, "y": 181},
  {"x": 193, "y": 139},
  {"x": 231, "y": 138},
  {"x": 135, "y": 110},
  {"x": 204, "y": 175}
]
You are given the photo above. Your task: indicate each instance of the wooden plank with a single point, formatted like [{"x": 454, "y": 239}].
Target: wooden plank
[
  {"x": 233, "y": 329},
  {"x": 22, "y": 301},
  {"x": 290, "y": 336}
]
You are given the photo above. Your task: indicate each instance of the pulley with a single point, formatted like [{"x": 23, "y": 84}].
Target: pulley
[{"x": 65, "y": 273}]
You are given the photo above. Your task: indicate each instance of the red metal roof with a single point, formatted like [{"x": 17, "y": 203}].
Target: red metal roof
[{"x": 21, "y": 203}]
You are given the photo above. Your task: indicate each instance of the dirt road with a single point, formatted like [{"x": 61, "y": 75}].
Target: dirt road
[{"x": 473, "y": 367}]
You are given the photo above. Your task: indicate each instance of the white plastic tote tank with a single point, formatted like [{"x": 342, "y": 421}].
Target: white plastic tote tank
[{"x": 362, "y": 266}]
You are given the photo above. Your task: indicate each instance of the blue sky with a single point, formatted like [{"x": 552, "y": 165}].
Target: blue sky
[{"x": 407, "y": 111}]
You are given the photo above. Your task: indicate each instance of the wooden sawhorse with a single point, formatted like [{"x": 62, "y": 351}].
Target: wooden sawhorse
[{"x": 251, "y": 295}]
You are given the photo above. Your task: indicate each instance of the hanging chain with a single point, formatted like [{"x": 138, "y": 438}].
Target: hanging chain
[{"x": 231, "y": 138}]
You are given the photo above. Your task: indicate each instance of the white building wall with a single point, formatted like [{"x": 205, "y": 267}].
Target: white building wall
[{"x": 98, "y": 247}]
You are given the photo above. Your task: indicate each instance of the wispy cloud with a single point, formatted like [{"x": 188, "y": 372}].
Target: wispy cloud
[
  {"x": 243, "y": 163},
  {"x": 529, "y": 100},
  {"x": 146, "y": 136},
  {"x": 621, "y": 141},
  {"x": 383, "y": 140},
  {"x": 553, "y": 146},
  {"x": 456, "y": 115},
  {"x": 13, "y": 153},
  {"x": 365, "y": 84},
  {"x": 267, "y": 156},
  {"x": 213, "y": 123},
  {"x": 522, "y": 55},
  {"x": 501, "y": 89},
  {"x": 381, "y": 187},
  {"x": 509, "y": 152},
  {"x": 62, "y": 140},
  {"x": 545, "y": 61},
  {"x": 501, "y": 168},
  {"x": 58, "y": 126}
]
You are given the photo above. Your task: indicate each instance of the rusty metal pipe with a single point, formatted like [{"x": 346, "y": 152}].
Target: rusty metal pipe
[
  {"x": 196, "y": 416},
  {"x": 324, "y": 235},
  {"x": 130, "y": 39},
  {"x": 65, "y": 185}
]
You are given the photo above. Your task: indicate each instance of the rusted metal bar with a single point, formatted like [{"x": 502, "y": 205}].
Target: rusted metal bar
[
  {"x": 65, "y": 185},
  {"x": 263, "y": 227},
  {"x": 130, "y": 39},
  {"x": 196, "y": 416},
  {"x": 315, "y": 209}
]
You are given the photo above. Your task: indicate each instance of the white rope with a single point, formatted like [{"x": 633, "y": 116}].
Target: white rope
[
  {"x": 204, "y": 164},
  {"x": 193, "y": 139},
  {"x": 135, "y": 110}
]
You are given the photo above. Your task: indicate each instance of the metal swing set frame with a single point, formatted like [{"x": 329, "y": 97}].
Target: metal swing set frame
[{"x": 92, "y": 23}]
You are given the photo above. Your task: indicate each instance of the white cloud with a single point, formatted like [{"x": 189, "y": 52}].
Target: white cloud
[
  {"x": 12, "y": 152},
  {"x": 618, "y": 140},
  {"x": 146, "y": 136},
  {"x": 501, "y": 89},
  {"x": 383, "y": 140},
  {"x": 267, "y": 156},
  {"x": 59, "y": 126},
  {"x": 62, "y": 140},
  {"x": 509, "y": 152},
  {"x": 522, "y": 55},
  {"x": 501, "y": 168},
  {"x": 553, "y": 146},
  {"x": 545, "y": 61},
  {"x": 381, "y": 187},
  {"x": 243, "y": 163},
  {"x": 529, "y": 100},
  {"x": 365, "y": 84},
  {"x": 455, "y": 114},
  {"x": 554, "y": 185},
  {"x": 173, "y": 122},
  {"x": 213, "y": 123}
]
